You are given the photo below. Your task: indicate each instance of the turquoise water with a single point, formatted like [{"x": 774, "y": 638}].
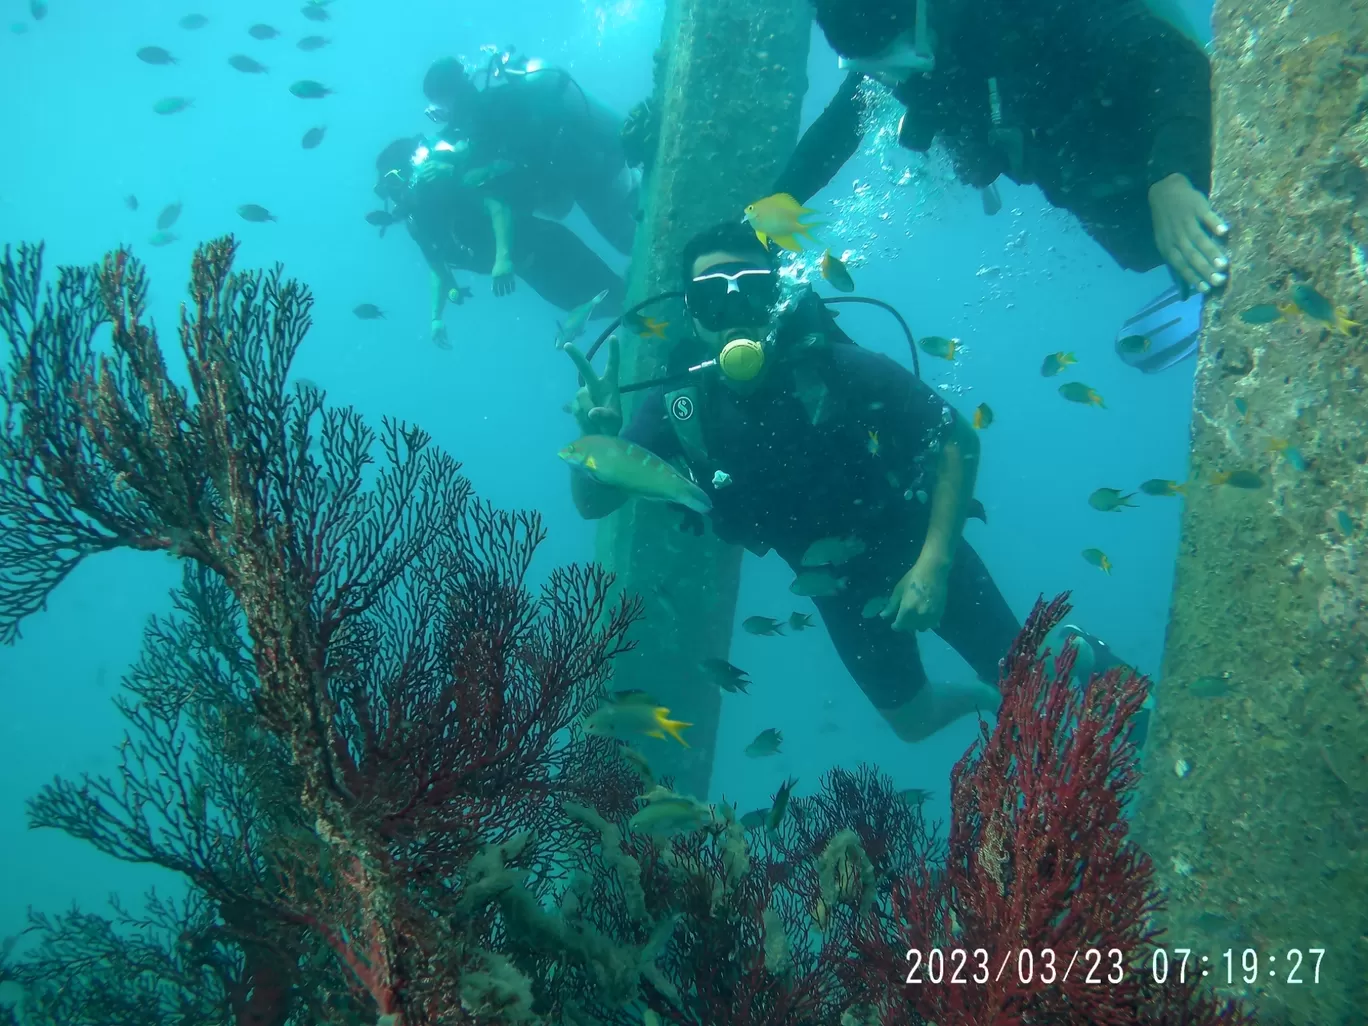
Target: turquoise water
[{"x": 77, "y": 113}]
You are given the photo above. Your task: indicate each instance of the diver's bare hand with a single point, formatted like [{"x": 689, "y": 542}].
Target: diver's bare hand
[
  {"x": 598, "y": 403},
  {"x": 918, "y": 600},
  {"x": 504, "y": 281},
  {"x": 438, "y": 333},
  {"x": 1188, "y": 233}
]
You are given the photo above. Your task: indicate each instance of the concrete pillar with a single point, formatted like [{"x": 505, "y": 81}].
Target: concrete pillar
[
  {"x": 732, "y": 74},
  {"x": 1256, "y": 801}
]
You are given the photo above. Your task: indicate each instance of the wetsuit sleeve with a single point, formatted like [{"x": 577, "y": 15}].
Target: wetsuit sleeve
[
  {"x": 1146, "y": 57},
  {"x": 650, "y": 428},
  {"x": 828, "y": 143}
]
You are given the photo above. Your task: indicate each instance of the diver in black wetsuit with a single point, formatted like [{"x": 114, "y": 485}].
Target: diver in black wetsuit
[
  {"x": 816, "y": 437},
  {"x": 1099, "y": 102},
  {"x": 453, "y": 226},
  {"x": 545, "y": 143}
]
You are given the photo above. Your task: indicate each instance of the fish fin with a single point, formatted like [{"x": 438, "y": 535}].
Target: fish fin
[
  {"x": 671, "y": 727},
  {"x": 788, "y": 242},
  {"x": 656, "y": 734},
  {"x": 764, "y": 239}
]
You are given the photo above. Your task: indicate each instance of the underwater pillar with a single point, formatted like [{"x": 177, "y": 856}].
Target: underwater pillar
[
  {"x": 1255, "y": 803},
  {"x": 730, "y": 80}
]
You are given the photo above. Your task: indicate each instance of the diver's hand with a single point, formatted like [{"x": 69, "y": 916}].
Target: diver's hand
[
  {"x": 439, "y": 335},
  {"x": 598, "y": 403},
  {"x": 432, "y": 170},
  {"x": 1188, "y": 233},
  {"x": 504, "y": 282},
  {"x": 918, "y": 600}
]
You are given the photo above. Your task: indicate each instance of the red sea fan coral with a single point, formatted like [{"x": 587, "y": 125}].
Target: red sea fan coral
[{"x": 1042, "y": 910}]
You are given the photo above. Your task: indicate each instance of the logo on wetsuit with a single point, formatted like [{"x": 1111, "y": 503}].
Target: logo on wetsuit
[{"x": 682, "y": 408}]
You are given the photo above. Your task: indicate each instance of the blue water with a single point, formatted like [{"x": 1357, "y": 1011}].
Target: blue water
[{"x": 81, "y": 136}]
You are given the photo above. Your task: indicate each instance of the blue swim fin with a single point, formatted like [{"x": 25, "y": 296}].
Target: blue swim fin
[{"x": 1172, "y": 325}]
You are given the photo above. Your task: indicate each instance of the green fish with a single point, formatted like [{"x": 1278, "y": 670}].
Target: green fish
[
  {"x": 369, "y": 312},
  {"x": 755, "y": 820},
  {"x": 1056, "y": 362},
  {"x": 725, "y": 675},
  {"x": 619, "y": 464},
  {"x": 1162, "y": 487},
  {"x": 780, "y": 806},
  {"x": 1110, "y": 500},
  {"x": 1312, "y": 303},
  {"x": 162, "y": 238},
  {"x": 1264, "y": 313},
  {"x": 832, "y": 551},
  {"x": 1077, "y": 392},
  {"x": 799, "y": 622},
  {"x": 941, "y": 348},
  {"x": 172, "y": 105},
  {"x": 629, "y": 719},
  {"x": 577, "y": 320},
  {"x": 1241, "y": 406},
  {"x": 1099, "y": 559},
  {"x": 1344, "y": 522},
  {"x": 765, "y": 626},
  {"x": 309, "y": 43},
  {"x": 1246, "y": 479},
  {"x": 767, "y": 742},
  {"x": 666, "y": 817},
  {"x": 255, "y": 213},
  {"x": 1216, "y": 685},
  {"x": 308, "y": 89},
  {"x": 915, "y": 797},
  {"x": 1133, "y": 345},
  {"x": 818, "y": 583}
]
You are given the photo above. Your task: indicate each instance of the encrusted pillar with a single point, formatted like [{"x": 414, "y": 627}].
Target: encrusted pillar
[
  {"x": 731, "y": 78},
  {"x": 1256, "y": 799}
]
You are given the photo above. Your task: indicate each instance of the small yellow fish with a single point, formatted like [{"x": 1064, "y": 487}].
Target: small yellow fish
[
  {"x": 835, "y": 271},
  {"x": 652, "y": 328},
  {"x": 624, "y": 719},
  {"x": 1245, "y": 479},
  {"x": 873, "y": 443},
  {"x": 1077, "y": 392},
  {"x": 1099, "y": 559},
  {"x": 1134, "y": 345},
  {"x": 942, "y": 348},
  {"x": 983, "y": 416},
  {"x": 1162, "y": 487},
  {"x": 779, "y": 218},
  {"x": 1056, "y": 362}
]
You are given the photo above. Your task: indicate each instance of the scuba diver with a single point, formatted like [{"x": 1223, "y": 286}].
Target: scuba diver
[
  {"x": 1106, "y": 107},
  {"x": 458, "y": 229},
  {"x": 807, "y": 436},
  {"x": 545, "y": 144}
]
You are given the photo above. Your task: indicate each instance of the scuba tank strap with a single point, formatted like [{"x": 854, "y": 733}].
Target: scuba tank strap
[{"x": 683, "y": 408}]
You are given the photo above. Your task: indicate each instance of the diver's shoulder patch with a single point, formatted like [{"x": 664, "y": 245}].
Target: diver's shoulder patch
[{"x": 682, "y": 408}]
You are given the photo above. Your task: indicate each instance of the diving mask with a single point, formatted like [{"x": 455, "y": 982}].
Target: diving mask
[
  {"x": 733, "y": 294},
  {"x": 910, "y": 54}
]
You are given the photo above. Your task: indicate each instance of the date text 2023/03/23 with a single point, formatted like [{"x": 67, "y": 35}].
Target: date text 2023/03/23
[{"x": 1045, "y": 966}]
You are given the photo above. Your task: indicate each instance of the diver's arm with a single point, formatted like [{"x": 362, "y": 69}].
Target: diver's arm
[
  {"x": 593, "y": 499},
  {"x": 441, "y": 284},
  {"x": 501, "y": 217},
  {"x": 956, "y": 471},
  {"x": 828, "y": 143}
]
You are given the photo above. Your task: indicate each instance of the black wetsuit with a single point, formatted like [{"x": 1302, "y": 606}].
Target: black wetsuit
[
  {"x": 563, "y": 148},
  {"x": 1098, "y": 100},
  {"x": 793, "y": 483},
  {"x": 453, "y": 229}
]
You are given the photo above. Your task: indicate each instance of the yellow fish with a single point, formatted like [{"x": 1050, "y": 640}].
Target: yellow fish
[
  {"x": 652, "y": 328},
  {"x": 1099, "y": 559},
  {"x": 1077, "y": 392},
  {"x": 1056, "y": 362},
  {"x": 873, "y": 443},
  {"x": 983, "y": 416},
  {"x": 835, "y": 271},
  {"x": 625, "y": 717},
  {"x": 780, "y": 218}
]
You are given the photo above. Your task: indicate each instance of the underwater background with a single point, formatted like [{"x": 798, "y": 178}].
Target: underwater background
[{"x": 81, "y": 136}]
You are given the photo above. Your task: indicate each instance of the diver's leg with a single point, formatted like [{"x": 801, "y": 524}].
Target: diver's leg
[
  {"x": 887, "y": 666},
  {"x": 610, "y": 203},
  {"x": 978, "y": 623},
  {"x": 561, "y": 269}
]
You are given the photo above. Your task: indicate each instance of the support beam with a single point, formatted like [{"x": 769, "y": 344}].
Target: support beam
[
  {"x": 733, "y": 74},
  {"x": 1256, "y": 802}
]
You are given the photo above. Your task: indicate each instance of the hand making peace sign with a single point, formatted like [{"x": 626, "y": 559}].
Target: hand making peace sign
[{"x": 598, "y": 403}]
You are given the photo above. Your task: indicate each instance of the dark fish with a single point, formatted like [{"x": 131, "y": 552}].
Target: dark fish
[
  {"x": 1312, "y": 303},
  {"x": 313, "y": 137},
  {"x": 1133, "y": 345},
  {"x": 155, "y": 55},
  {"x": 1241, "y": 406},
  {"x": 1099, "y": 559},
  {"x": 1162, "y": 487},
  {"x": 308, "y": 89},
  {"x": 263, "y": 32},
  {"x": 1344, "y": 522},
  {"x": 38, "y": 8},
  {"x": 765, "y": 626},
  {"x": 171, "y": 105},
  {"x": 780, "y": 806},
  {"x": 1110, "y": 500},
  {"x": 1216, "y": 685},
  {"x": 818, "y": 582},
  {"x": 162, "y": 239},
  {"x": 255, "y": 213},
  {"x": 368, "y": 312},
  {"x": 193, "y": 21},
  {"x": 382, "y": 219},
  {"x": 799, "y": 622},
  {"x": 755, "y": 820},
  {"x": 309, "y": 43},
  {"x": 767, "y": 742},
  {"x": 1246, "y": 479},
  {"x": 314, "y": 12},
  {"x": 835, "y": 271},
  {"x": 725, "y": 675},
  {"x": 976, "y": 511},
  {"x": 1264, "y": 313},
  {"x": 1056, "y": 362},
  {"x": 1077, "y": 392},
  {"x": 916, "y": 797},
  {"x": 131, "y": 202},
  {"x": 939, "y": 346},
  {"x": 247, "y": 64},
  {"x": 169, "y": 215}
]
